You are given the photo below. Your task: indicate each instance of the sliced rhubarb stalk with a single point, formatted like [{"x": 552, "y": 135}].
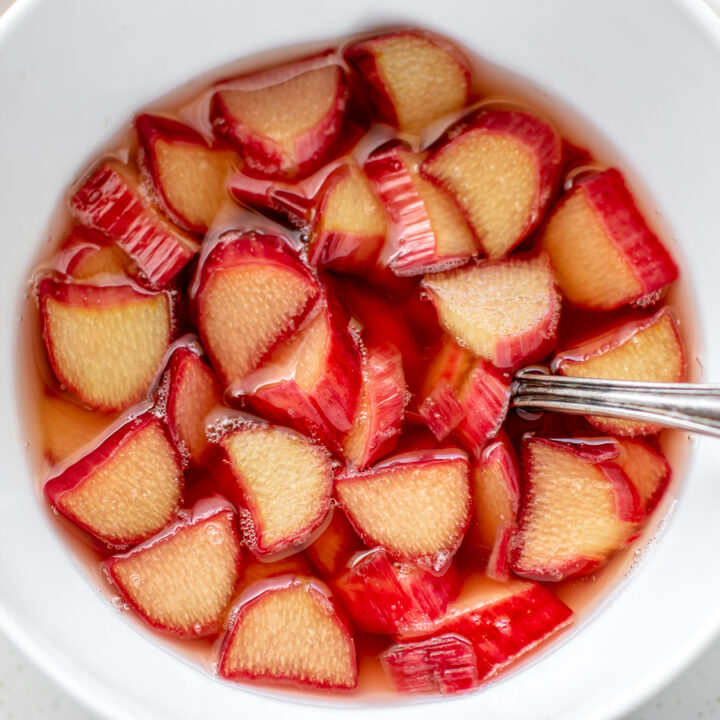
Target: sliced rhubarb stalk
[
  {"x": 387, "y": 597},
  {"x": 188, "y": 392},
  {"x": 647, "y": 469},
  {"x": 445, "y": 664},
  {"x": 332, "y": 551},
  {"x": 288, "y": 629},
  {"x": 255, "y": 571},
  {"x": 647, "y": 350},
  {"x": 413, "y": 78},
  {"x": 503, "y": 621},
  {"x": 283, "y": 479},
  {"x": 381, "y": 408},
  {"x": 504, "y": 311},
  {"x": 415, "y": 506},
  {"x": 181, "y": 580},
  {"x": 105, "y": 343},
  {"x": 285, "y": 122},
  {"x": 603, "y": 251},
  {"x": 87, "y": 253},
  {"x": 497, "y": 501},
  {"x": 350, "y": 223},
  {"x": 187, "y": 174},
  {"x": 313, "y": 382},
  {"x": 126, "y": 489},
  {"x": 502, "y": 169},
  {"x": 578, "y": 507},
  {"x": 253, "y": 293},
  {"x": 428, "y": 233},
  {"x": 109, "y": 200}
]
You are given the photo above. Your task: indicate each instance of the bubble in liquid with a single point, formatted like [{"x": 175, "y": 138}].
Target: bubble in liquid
[
  {"x": 134, "y": 579},
  {"x": 197, "y": 628},
  {"x": 118, "y": 603},
  {"x": 214, "y": 534}
]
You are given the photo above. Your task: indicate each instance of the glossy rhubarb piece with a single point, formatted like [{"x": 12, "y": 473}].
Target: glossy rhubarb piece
[
  {"x": 427, "y": 231},
  {"x": 254, "y": 571},
  {"x": 109, "y": 200},
  {"x": 283, "y": 480},
  {"x": 387, "y": 597},
  {"x": 505, "y": 311},
  {"x": 286, "y": 121},
  {"x": 313, "y": 381},
  {"x": 88, "y": 254},
  {"x": 288, "y": 630},
  {"x": 253, "y": 292},
  {"x": 412, "y": 77},
  {"x": 578, "y": 507},
  {"x": 503, "y": 621},
  {"x": 445, "y": 664},
  {"x": 350, "y": 224},
  {"x": 502, "y": 168},
  {"x": 381, "y": 408},
  {"x": 105, "y": 343},
  {"x": 187, "y": 174},
  {"x": 645, "y": 350},
  {"x": 647, "y": 469},
  {"x": 181, "y": 580},
  {"x": 416, "y": 506},
  {"x": 465, "y": 394},
  {"x": 126, "y": 489},
  {"x": 497, "y": 501},
  {"x": 602, "y": 249},
  {"x": 333, "y": 551},
  {"x": 187, "y": 392}
]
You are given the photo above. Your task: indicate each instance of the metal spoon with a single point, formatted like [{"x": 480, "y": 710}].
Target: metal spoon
[{"x": 680, "y": 405}]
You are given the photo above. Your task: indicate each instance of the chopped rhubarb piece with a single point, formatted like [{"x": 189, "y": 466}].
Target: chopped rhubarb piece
[
  {"x": 350, "y": 223},
  {"x": 428, "y": 233},
  {"x": 603, "y": 251},
  {"x": 647, "y": 469},
  {"x": 87, "y": 253},
  {"x": 578, "y": 507},
  {"x": 313, "y": 382},
  {"x": 288, "y": 630},
  {"x": 284, "y": 122},
  {"x": 503, "y": 621},
  {"x": 502, "y": 168},
  {"x": 646, "y": 350},
  {"x": 333, "y": 550},
  {"x": 416, "y": 506},
  {"x": 283, "y": 479},
  {"x": 188, "y": 391},
  {"x": 497, "y": 500},
  {"x": 105, "y": 343},
  {"x": 388, "y": 597},
  {"x": 505, "y": 311},
  {"x": 413, "y": 78},
  {"x": 187, "y": 174},
  {"x": 109, "y": 200},
  {"x": 381, "y": 408},
  {"x": 181, "y": 580},
  {"x": 255, "y": 571},
  {"x": 126, "y": 489},
  {"x": 446, "y": 664},
  {"x": 253, "y": 292}
]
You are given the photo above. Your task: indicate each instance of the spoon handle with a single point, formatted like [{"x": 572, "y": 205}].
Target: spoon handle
[{"x": 680, "y": 405}]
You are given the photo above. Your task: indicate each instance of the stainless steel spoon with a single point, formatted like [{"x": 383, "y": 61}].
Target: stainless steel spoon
[{"x": 680, "y": 405}]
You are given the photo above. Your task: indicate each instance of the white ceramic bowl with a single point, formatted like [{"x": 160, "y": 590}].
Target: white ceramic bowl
[{"x": 645, "y": 73}]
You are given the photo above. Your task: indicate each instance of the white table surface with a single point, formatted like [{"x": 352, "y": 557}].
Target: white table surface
[{"x": 26, "y": 693}]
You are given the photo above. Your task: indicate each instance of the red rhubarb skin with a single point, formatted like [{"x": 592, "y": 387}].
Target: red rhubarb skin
[
  {"x": 107, "y": 202},
  {"x": 626, "y": 228},
  {"x": 151, "y": 128},
  {"x": 262, "y": 156},
  {"x": 446, "y": 664},
  {"x": 541, "y": 140},
  {"x": 603, "y": 453},
  {"x": 75, "y": 475},
  {"x": 362, "y": 56},
  {"x": 204, "y": 511},
  {"x": 420, "y": 458},
  {"x": 78, "y": 246},
  {"x": 251, "y": 248},
  {"x": 255, "y": 594},
  {"x": 234, "y": 486},
  {"x": 89, "y": 296}
]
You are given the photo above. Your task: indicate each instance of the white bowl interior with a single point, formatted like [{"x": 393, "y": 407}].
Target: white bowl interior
[{"x": 644, "y": 73}]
